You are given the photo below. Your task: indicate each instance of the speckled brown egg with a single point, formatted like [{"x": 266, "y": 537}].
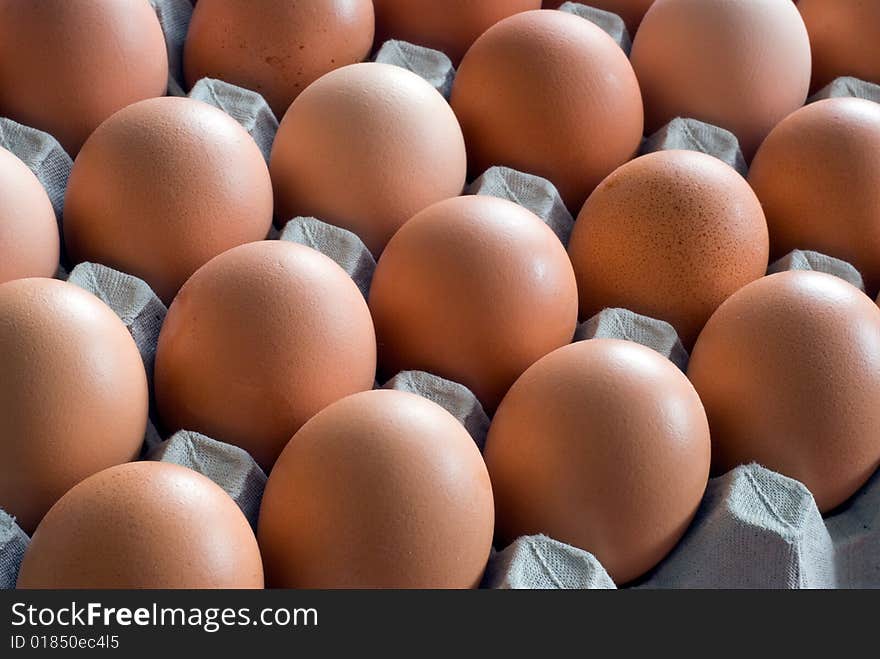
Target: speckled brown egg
[
  {"x": 789, "y": 371},
  {"x": 143, "y": 525},
  {"x": 383, "y": 489},
  {"x": 844, "y": 38},
  {"x": 450, "y": 26},
  {"x": 604, "y": 445},
  {"x": 551, "y": 94},
  {"x": 67, "y": 66},
  {"x": 259, "y": 340},
  {"x": 474, "y": 289},
  {"x": 29, "y": 242},
  {"x": 162, "y": 187},
  {"x": 276, "y": 48},
  {"x": 631, "y": 11},
  {"x": 817, "y": 177},
  {"x": 73, "y": 393},
  {"x": 740, "y": 65},
  {"x": 670, "y": 235},
  {"x": 366, "y": 147}
]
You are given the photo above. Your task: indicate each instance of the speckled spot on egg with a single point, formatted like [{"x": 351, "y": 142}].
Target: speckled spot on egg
[{"x": 670, "y": 235}]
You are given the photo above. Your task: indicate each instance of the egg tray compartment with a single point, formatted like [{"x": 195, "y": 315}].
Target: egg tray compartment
[{"x": 754, "y": 528}]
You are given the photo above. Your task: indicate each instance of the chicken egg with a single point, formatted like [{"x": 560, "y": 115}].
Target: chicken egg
[
  {"x": 67, "y": 66},
  {"x": 844, "y": 38},
  {"x": 817, "y": 177},
  {"x": 257, "y": 341},
  {"x": 474, "y": 289},
  {"x": 740, "y": 65},
  {"x": 551, "y": 94},
  {"x": 276, "y": 47},
  {"x": 73, "y": 393},
  {"x": 143, "y": 525},
  {"x": 29, "y": 241},
  {"x": 789, "y": 371},
  {"x": 162, "y": 187},
  {"x": 670, "y": 235},
  {"x": 366, "y": 147},
  {"x": 382, "y": 489},
  {"x": 603, "y": 445}
]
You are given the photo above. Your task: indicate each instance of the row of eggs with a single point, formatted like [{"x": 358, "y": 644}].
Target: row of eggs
[
  {"x": 264, "y": 335},
  {"x": 603, "y": 444},
  {"x": 741, "y": 65}
]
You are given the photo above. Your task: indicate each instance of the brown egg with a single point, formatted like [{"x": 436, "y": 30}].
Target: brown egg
[
  {"x": 551, "y": 94},
  {"x": 276, "y": 47},
  {"x": 143, "y": 525},
  {"x": 259, "y": 340},
  {"x": 631, "y": 11},
  {"x": 67, "y": 66},
  {"x": 474, "y": 289},
  {"x": 29, "y": 242},
  {"x": 383, "y": 489},
  {"x": 670, "y": 235},
  {"x": 366, "y": 147},
  {"x": 73, "y": 393},
  {"x": 162, "y": 187},
  {"x": 789, "y": 371},
  {"x": 741, "y": 65},
  {"x": 604, "y": 445},
  {"x": 844, "y": 38},
  {"x": 450, "y": 26},
  {"x": 817, "y": 177}
]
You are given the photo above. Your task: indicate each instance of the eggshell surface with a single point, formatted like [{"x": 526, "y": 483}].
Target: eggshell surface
[
  {"x": 670, "y": 235},
  {"x": 259, "y": 340},
  {"x": 143, "y": 525},
  {"x": 816, "y": 176},
  {"x": 604, "y": 445},
  {"x": 162, "y": 187},
  {"x": 551, "y": 94},
  {"x": 789, "y": 371},
  {"x": 631, "y": 11},
  {"x": 450, "y": 26},
  {"x": 73, "y": 393},
  {"x": 742, "y": 65},
  {"x": 29, "y": 242},
  {"x": 276, "y": 48},
  {"x": 67, "y": 66},
  {"x": 474, "y": 289},
  {"x": 844, "y": 39},
  {"x": 366, "y": 147},
  {"x": 383, "y": 489}
]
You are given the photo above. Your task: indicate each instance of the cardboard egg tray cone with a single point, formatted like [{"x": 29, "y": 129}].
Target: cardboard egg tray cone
[{"x": 754, "y": 528}]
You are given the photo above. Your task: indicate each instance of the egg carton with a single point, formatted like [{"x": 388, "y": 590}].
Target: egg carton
[{"x": 755, "y": 528}]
